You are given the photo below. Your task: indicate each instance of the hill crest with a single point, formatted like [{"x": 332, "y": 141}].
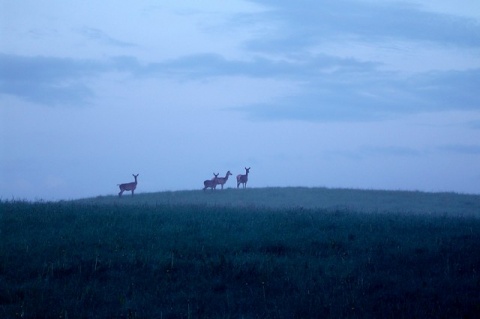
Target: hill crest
[{"x": 310, "y": 198}]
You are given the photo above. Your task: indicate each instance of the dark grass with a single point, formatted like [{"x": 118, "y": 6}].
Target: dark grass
[{"x": 118, "y": 260}]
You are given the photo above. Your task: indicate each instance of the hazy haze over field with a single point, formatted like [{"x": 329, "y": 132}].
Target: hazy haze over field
[{"x": 355, "y": 93}]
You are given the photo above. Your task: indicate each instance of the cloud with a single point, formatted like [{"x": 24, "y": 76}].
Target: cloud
[
  {"x": 474, "y": 124},
  {"x": 378, "y": 95},
  {"x": 46, "y": 80},
  {"x": 447, "y": 89},
  {"x": 326, "y": 87},
  {"x": 395, "y": 151},
  {"x": 52, "y": 80},
  {"x": 329, "y": 88},
  {"x": 214, "y": 65},
  {"x": 102, "y": 37},
  {"x": 461, "y": 149},
  {"x": 369, "y": 152},
  {"x": 334, "y": 92},
  {"x": 298, "y": 27}
]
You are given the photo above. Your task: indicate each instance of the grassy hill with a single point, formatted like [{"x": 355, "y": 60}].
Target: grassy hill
[
  {"x": 310, "y": 198},
  {"x": 254, "y": 253}
]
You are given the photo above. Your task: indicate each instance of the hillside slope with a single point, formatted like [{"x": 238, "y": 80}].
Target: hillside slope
[{"x": 311, "y": 198}]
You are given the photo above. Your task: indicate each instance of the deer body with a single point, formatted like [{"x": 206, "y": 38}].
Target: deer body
[
  {"x": 243, "y": 179},
  {"x": 223, "y": 180},
  {"x": 211, "y": 183},
  {"x": 128, "y": 186}
]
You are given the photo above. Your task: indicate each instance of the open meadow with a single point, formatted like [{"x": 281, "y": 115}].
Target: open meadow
[{"x": 253, "y": 253}]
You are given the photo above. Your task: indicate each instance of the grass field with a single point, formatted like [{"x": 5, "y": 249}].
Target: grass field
[{"x": 255, "y": 253}]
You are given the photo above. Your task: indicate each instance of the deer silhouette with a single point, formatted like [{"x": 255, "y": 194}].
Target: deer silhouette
[{"x": 128, "y": 186}]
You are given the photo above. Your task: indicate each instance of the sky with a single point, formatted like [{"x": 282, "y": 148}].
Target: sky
[{"x": 364, "y": 94}]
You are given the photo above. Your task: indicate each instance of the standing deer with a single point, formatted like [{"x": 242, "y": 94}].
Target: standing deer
[
  {"x": 243, "y": 179},
  {"x": 211, "y": 183},
  {"x": 128, "y": 186},
  {"x": 223, "y": 180}
]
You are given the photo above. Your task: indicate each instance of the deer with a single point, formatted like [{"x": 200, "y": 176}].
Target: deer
[
  {"x": 211, "y": 183},
  {"x": 223, "y": 180},
  {"x": 128, "y": 186},
  {"x": 243, "y": 179}
]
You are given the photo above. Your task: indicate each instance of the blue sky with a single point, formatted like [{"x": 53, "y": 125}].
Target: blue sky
[{"x": 353, "y": 94}]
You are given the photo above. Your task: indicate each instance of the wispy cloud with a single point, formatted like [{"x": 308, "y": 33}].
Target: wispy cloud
[
  {"x": 336, "y": 89},
  {"x": 300, "y": 26},
  {"x": 331, "y": 88},
  {"x": 57, "y": 81},
  {"x": 374, "y": 96},
  {"x": 448, "y": 89},
  {"x": 461, "y": 149},
  {"x": 384, "y": 152},
  {"x": 47, "y": 80},
  {"x": 211, "y": 65},
  {"x": 327, "y": 87},
  {"x": 395, "y": 151},
  {"x": 101, "y": 37},
  {"x": 475, "y": 124}
]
